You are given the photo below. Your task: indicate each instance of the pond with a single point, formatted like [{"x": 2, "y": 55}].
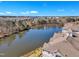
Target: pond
[{"x": 26, "y": 41}]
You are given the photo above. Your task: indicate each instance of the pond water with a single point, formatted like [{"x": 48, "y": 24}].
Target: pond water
[{"x": 26, "y": 41}]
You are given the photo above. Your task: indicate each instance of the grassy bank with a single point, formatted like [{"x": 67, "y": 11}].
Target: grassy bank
[{"x": 35, "y": 53}]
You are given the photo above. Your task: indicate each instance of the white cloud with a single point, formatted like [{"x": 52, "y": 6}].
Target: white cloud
[
  {"x": 60, "y": 10},
  {"x": 22, "y": 13},
  {"x": 29, "y": 12},
  {"x": 1, "y": 13},
  {"x": 34, "y": 12},
  {"x": 7, "y": 13}
]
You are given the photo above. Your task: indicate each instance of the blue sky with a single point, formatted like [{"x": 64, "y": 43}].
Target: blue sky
[{"x": 39, "y": 8}]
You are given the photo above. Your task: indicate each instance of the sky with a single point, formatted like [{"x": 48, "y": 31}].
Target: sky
[{"x": 39, "y": 8}]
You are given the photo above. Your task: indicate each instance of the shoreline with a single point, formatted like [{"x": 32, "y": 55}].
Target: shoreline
[
  {"x": 3, "y": 35},
  {"x": 63, "y": 44},
  {"x": 7, "y": 35},
  {"x": 35, "y": 53}
]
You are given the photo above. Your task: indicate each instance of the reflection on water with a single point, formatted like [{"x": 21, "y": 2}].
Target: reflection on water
[
  {"x": 26, "y": 41},
  {"x": 21, "y": 34},
  {"x": 7, "y": 40}
]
